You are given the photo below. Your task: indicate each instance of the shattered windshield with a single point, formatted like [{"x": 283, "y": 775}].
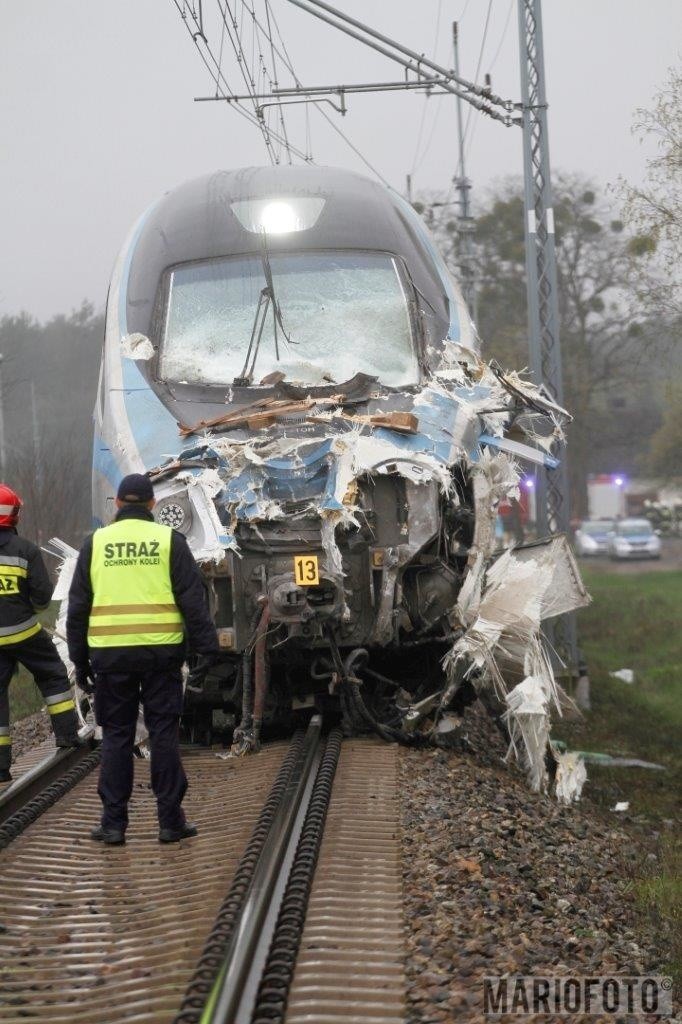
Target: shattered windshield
[{"x": 344, "y": 313}]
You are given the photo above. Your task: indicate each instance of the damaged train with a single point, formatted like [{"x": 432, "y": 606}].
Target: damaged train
[{"x": 288, "y": 357}]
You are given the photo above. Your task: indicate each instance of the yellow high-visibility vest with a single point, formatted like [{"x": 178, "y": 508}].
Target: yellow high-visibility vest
[{"x": 133, "y": 603}]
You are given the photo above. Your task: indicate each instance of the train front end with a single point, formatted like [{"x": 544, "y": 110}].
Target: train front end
[{"x": 288, "y": 358}]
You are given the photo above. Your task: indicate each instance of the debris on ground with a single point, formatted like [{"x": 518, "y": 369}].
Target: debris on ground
[
  {"x": 626, "y": 675},
  {"x": 501, "y": 880}
]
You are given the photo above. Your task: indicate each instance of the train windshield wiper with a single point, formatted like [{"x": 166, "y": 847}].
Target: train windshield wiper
[{"x": 266, "y": 299}]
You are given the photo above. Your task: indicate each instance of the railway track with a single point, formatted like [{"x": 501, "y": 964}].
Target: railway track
[{"x": 287, "y": 906}]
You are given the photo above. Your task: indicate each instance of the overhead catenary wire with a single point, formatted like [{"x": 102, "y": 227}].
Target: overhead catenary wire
[
  {"x": 502, "y": 37},
  {"x": 284, "y": 56},
  {"x": 257, "y": 56},
  {"x": 478, "y": 64},
  {"x": 469, "y": 141},
  {"x": 275, "y": 80},
  {"x": 246, "y": 73},
  {"x": 223, "y": 88},
  {"x": 422, "y": 120},
  {"x": 479, "y": 97}
]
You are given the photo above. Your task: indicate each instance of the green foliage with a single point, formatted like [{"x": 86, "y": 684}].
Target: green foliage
[
  {"x": 642, "y": 245},
  {"x": 604, "y": 359},
  {"x": 665, "y": 450},
  {"x": 634, "y": 623},
  {"x": 589, "y": 226}
]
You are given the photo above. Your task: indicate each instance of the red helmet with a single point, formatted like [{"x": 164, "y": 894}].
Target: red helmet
[{"x": 10, "y": 503}]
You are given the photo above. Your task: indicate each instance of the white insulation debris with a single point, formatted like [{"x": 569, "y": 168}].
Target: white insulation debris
[
  {"x": 503, "y": 642},
  {"x": 69, "y": 556},
  {"x": 571, "y": 776},
  {"x": 626, "y": 675},
  {"x": 137, "y": 346}
]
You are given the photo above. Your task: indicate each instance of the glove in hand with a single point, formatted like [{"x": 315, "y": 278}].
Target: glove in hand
[
  {"x": 84, "y": 681},
  {"x": 201, "y": 666}
]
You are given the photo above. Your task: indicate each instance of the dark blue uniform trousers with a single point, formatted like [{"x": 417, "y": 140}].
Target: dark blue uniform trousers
[
  {"x": 117, "y": 697},
  {"x": 39, "y": 655}
]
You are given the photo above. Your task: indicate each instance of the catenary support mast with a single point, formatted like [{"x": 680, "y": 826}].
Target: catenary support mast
[
  {"x": 465, "y": 224},
  {"x": 551, "y": 492}
]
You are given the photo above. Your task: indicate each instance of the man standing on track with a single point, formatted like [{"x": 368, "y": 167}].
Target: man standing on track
[
  {"x": 135, "y": 586},
  {"x": 25, "y": 589}
]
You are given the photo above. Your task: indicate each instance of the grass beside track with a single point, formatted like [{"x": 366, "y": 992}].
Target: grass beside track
[{"x": 634, "y": 622}]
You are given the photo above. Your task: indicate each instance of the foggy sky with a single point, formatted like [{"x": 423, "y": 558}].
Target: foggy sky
[{"x": 97, "y": 115}]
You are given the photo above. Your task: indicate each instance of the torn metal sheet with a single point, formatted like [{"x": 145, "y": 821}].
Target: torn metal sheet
[{"x": 521, "y": 451}]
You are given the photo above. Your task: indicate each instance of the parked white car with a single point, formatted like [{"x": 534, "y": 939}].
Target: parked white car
[
  {"x": 634, "y": 538},
  {"x": 592, "y": 537}
]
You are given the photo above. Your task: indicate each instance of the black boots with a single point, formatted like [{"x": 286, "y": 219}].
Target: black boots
[
  {"x": 174, "y": 835},
  {"x": 108, "y": 836},
  {"x": 70, "y": 740}
]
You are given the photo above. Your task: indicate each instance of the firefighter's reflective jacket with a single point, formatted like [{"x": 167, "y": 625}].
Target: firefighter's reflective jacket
[{"x": 24, "y": 587}]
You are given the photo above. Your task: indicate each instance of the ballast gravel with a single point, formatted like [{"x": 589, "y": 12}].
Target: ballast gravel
[
  {"x": 502, "y": 881},
  {"x": 29, "y": 732}
]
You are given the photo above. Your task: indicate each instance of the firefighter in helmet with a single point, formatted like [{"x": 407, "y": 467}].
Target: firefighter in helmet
[{"x": 25, "y": 589}]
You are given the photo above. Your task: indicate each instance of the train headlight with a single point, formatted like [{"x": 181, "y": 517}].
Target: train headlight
[
  {"x": 278, "y": 216},
  {"x": 175, "y": 512}
]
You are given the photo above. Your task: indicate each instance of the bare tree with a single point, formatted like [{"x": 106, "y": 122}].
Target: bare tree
[
  {"x": 51, "y": 472},
  {"x": 604, "y": 346},
  {"x": 654, "y": 209}
]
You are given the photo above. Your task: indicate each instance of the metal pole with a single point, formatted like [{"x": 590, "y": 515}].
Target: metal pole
[
  {"x": 484, "y": 104},
  {"x": 552, "y": 495},
  {"x": 36, "y": 431},
  {"x": 2, "y": 427},
  {"x": 421, "y": 59},
  {"x": 463, "y": 185}
]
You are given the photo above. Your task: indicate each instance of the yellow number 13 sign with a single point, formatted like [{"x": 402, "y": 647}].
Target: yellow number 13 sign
[{"x": 306, "y": 571}]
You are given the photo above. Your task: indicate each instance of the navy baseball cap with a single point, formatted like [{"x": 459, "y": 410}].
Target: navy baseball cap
[{"x": 135, "y": 487}]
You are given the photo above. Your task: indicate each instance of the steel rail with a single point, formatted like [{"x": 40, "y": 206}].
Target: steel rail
[
  {"x": 43, "y": 775},
  {"x": 228, "y": 989},
  {"x": 278, "y": 972},
  {"x": 210, "y": 962}
]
